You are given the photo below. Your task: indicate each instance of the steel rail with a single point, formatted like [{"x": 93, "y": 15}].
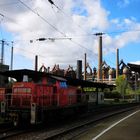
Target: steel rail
[{"x": 71, "y": 129}]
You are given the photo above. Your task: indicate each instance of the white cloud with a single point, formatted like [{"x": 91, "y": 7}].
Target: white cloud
[
  {"x": 123, "y": 3},
  {"x": 127, "y": 31},
  {"x": 136, "y": 62},
  {"x": 30, "y": 26},
  {"x": 27, "y": 26}
]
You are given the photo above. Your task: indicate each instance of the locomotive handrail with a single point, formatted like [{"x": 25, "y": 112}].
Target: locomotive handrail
[
  {"x": 23, "y": 100},
  {"x": 18, "y": 100}
]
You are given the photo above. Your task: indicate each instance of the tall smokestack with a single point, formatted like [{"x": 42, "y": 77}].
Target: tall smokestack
[
  {"x": 117, "y": 63},
  {"x": 79, "y": 70},
  {"x": 12, "y": 50},
  {"x": 36, "y": 63},
  {"x": 85, "y": 66},
  {"x": 2, "y": 51},
  {"x": 100, "y": 59}
]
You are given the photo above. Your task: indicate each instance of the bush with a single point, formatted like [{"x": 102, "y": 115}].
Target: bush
[{"x": 114, "y": 94}]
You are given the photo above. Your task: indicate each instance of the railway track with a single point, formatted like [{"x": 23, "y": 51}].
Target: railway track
[
  {"x": 5, "y": 126},
  {"x": 9, "y": 131},
  {"x": 67, "y": 130},
  {"x": 73, "y": 130},
  {"x": 70, "y": 129}
]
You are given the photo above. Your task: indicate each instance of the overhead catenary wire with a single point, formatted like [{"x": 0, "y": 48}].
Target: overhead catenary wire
[
  {"x": 53, "y": 39},
  {"x": 62, "y": 32},
  {"x": 30, "y": 52},
  {"x": 66, "y": 15},
  {"x": 43, "y": 39},
  {"x": 44, "y": 19},
  {"x": 92, "y": 35},
  {"x": 50, "y": 24},
  {"x": 74, "y": 36},
  {"x": 18, "y": 48},
  {"x": 71, "y": 37},
  {"x": 74, "y": 42},
  {"x": 19, "y": 1},
  {"x": 69, "y": 15}
]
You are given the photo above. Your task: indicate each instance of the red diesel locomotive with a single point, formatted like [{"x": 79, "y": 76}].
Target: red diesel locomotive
[{"x": 36, "y": 95}]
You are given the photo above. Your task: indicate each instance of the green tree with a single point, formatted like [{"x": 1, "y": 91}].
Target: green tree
[{"x": 121, "y": 85}]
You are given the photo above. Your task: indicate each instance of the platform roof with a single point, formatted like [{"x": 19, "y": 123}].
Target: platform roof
[
  {"x": 134, "y": 67},
  {"x": 36, "y": 75}
]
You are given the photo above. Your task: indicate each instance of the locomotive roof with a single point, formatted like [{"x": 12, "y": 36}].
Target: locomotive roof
[{"x": 36, "y": 75}]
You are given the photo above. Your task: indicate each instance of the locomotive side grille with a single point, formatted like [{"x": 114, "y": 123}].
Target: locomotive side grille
[
  {"x": 21, "y": 101},
  {"x": 26, "y": 101}
]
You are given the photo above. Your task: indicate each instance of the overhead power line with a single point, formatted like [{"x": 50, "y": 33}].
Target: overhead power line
[
  {"x": 44, "y": 19},
  {"x": 70, "y": 17},
  {"x": 74, "y": 42},
  {"x": 49, "y": 23}
]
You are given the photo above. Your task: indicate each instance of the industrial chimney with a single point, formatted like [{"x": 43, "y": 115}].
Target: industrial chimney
[
  {"x": 85, "y": 66},
  {"x": 36, "y": 63},
  {"x": 117, "y": 63},
  {"x": 100, "y": 59},
  {"x": 79, "y": 70},
  {"x": 2, "y": 51}
]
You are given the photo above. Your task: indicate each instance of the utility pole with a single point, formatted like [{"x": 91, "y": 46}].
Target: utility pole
[{"x": 99, "y": 75}]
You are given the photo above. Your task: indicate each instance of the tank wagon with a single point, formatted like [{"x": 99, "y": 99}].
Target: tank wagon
[{"x": 37, "y": 95}]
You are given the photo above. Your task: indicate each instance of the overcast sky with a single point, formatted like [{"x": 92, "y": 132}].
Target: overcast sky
[{"x": 25, "y": 20}]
